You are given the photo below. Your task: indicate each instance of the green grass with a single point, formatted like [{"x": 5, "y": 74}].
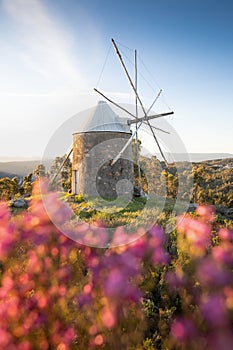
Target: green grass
[{"x": 137, "y": 212}]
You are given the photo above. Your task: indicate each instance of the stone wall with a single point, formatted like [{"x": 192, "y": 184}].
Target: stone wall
[{"x": 92, "y": 156}]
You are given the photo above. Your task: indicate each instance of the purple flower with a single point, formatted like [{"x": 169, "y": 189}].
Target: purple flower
[
  {"x": 182, "y": 330},
  {"x": 174, "y": 280},
  {"x": 220, "y": 339},
  {"x": 210, "y": 274},
  {"x": 214, "y": 311},
  {"x": 223, "y": 254},
  {"x": 160, "y": 256}
]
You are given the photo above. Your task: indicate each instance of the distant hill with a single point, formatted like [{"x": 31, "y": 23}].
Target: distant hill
[
  {"x": 5, "y": 174},
  {"x": 19, "y": 168},
  {"x": 193, "y": 157},
  {"x": 199, "y": 157}
]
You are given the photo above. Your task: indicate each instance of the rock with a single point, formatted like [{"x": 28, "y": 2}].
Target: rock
[
  {"x": 19, "y": 203},
  {"x": 88, "y": 210},
  {"x": 137, "y": 191},
  {"x": 192, "y": 207},
  {"x": 229, "y": 212},
  {"x": 220, "y": 210},
  {"x": 224, "y": 212}
]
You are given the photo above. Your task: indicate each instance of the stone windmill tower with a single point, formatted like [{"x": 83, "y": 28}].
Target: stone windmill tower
[{"x": 93, "y": 171}]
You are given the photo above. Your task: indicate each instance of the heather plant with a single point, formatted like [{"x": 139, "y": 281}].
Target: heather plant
[
  {"x": 58, "y": 294},
  {"x": 202, "y": 280},
  {"x": 37, "y": 290},
  {"x": 158, "y": 292}
]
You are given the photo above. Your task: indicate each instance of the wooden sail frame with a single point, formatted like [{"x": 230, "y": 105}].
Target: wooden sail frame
[{"x": 145, "y": 119}]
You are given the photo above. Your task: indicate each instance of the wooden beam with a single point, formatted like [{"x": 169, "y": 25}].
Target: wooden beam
[
  {"x": 129, "y": 122},
  {"x": 59, "y": 170}
]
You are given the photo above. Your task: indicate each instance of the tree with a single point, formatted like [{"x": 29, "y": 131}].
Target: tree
[
  {"x": 26, "y": 187},
  {"x": 8, "y": 188},
  {"x": 63, "y": 175},
  {"x": 39, "y": 171}
]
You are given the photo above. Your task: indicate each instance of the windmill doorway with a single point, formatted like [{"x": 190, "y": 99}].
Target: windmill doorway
[{"x": 76, "y": 180}]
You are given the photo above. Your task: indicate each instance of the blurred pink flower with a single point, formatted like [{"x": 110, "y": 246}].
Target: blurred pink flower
[
  {"x": 207, "y": 213},
  {"x": 138, "y": 247},
  {"x": 220, "y": 339},
  {"x": 24, "y": 345},
  {"x": 158, "y": 236},
  {"x": 7, "y": 240},
  {"x": 183, "y": 329},
  {"x": 5, "y": 339},
  {"x": 4, "y": 214},
  {"x": 197, "y": 233},
  {"x": 209, "y": 273},
  {"x": 214, "y": 311},
  {"x": 225, "y": 234},
  {"x": 223, "y": 254},
  {"x": 174, "y": 280},
  {"x": 160, "y": 256},
  {"x": 108, "y": 317}
]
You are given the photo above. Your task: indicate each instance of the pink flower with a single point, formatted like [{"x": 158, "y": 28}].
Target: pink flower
[
  {"x": 64, "y": 274},
  {"x": 220, "y": 340},
  {"x": 158, "y": 236},
  {"x": 207, "y": 213},
  {"x": 182, "y": 330},
  {"x": 108, "y": 317},
  {"x": 174, "y": 280},
  {"x": 214, "y": 311},
  {"x": 7, "y": 241},
  {"x": 84, "y": 299},
  {"x": 4, "y": 214},
  {"x": 225, "y": 234},
  {"x": 117, "y": 286},
  {"x": 160, "y": 256},
  {"x": 139, "y": 247},
  {"x": 223, "y": 254},
  {"x": 210, "y": 274},
  {"x": 69, "y": 335},
  {"x": 197, "y": 233},
  {"x": 25, "y": 345},
  {"x": 121, "y": 238},
  {"x": 5, "y": 339}
]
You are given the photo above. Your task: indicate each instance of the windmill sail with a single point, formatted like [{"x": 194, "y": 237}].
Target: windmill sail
[{"x": 146, "y": 119}]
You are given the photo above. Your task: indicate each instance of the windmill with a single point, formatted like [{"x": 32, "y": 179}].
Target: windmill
[{"x": 93, "y": 172}]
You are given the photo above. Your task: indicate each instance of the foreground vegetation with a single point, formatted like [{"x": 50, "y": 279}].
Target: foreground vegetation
[
  {"x": 165, "y": 290},
  {"x": 159, "y": 292}
]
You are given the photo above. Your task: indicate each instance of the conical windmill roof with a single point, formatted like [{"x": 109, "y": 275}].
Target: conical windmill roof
[{"x": 103, "y": 118}]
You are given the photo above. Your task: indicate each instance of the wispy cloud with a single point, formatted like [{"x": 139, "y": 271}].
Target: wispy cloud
[{"x": 46, "y": 47}]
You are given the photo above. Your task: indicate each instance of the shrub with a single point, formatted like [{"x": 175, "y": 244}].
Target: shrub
[{"x": 58, "y": 294}]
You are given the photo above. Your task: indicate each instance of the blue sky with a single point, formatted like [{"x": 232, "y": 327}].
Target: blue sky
[{"x": 52, "y": 54}]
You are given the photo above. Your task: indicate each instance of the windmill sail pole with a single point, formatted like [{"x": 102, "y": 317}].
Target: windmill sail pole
[
  {"x": 156, "y": 98},
  {"x": 126, "y": 145},
  {"x": 128, "y": 76},
  {"x": 114, "y": 103},
  {"x": 62, "y": 165},
  {"x": 139, "y": 100},
  {"x": 156, "y": 140},
  {"x": 136, "y": 81},
  {"x": 149, "y": 117},
  {"x": 136, "y": 110}
]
